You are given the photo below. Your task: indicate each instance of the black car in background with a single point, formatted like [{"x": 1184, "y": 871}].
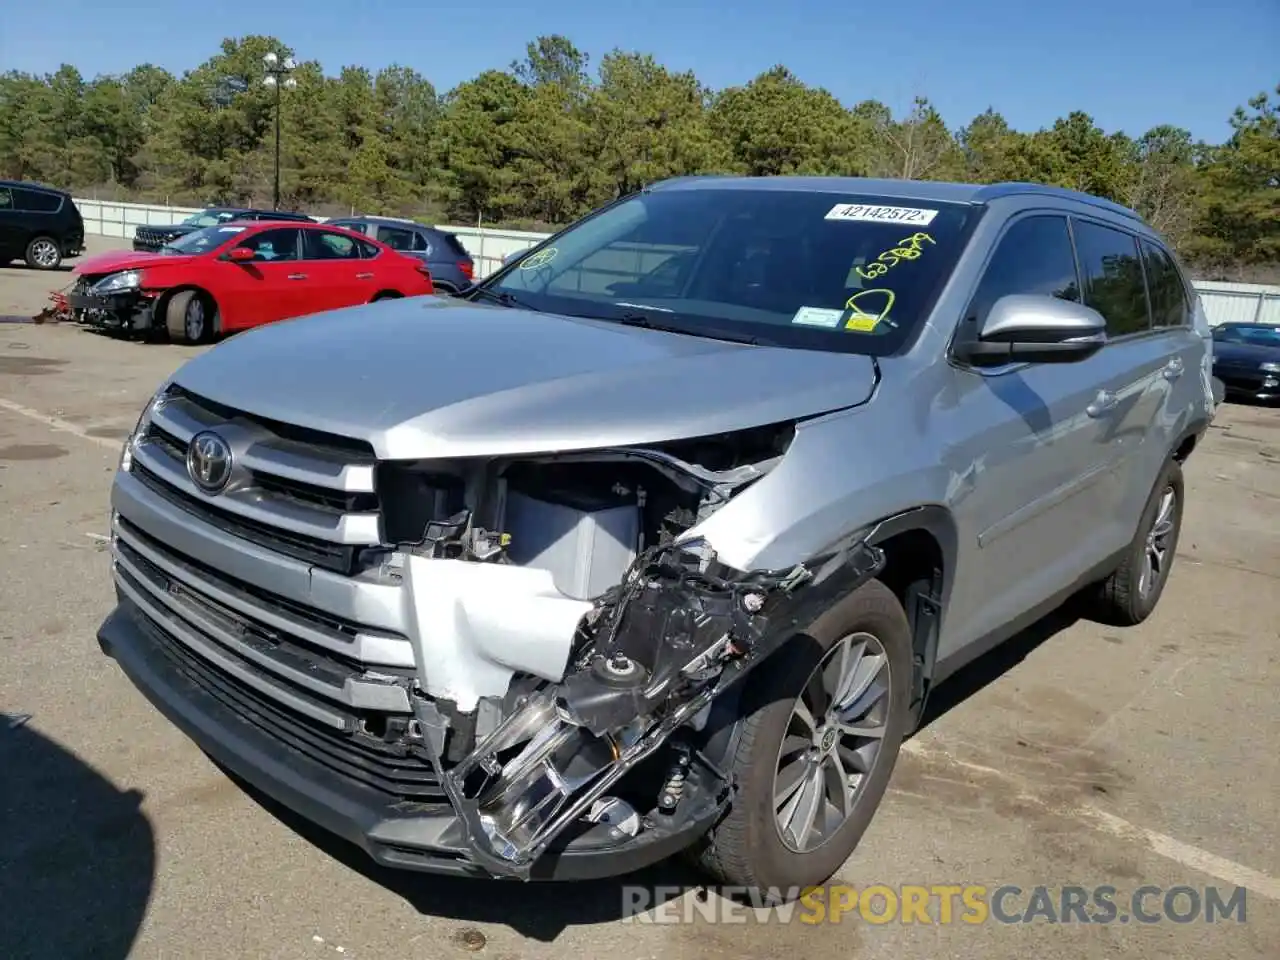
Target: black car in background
[
  {"x": 451, "y": 266},
  {"x": 39, "y": 224},
  {"x": 151, "y": 237},
  {"x": 1246, "y": 358}
]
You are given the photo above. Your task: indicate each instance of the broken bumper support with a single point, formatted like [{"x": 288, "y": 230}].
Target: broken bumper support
[
  {"x": 676, "y": 634},
  {"x": 129, "y": 310}
]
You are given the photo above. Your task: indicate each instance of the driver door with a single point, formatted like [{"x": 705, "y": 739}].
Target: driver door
[
  {"x": 270, "y": 286},
  {"x": 1026, "y": 457}
]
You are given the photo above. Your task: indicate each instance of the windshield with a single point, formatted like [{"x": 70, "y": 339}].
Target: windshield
[
  {"x": 780, "y": 267},
  {"x": 201, "y": 241},
  {"x": 1240, "y": 333},
  {"x": 209, "y": 218}
]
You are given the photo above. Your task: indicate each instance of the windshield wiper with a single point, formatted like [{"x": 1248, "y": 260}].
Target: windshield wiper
[
  {"x": 632, "y": 319},
  {"x": 506, "y": 299}
]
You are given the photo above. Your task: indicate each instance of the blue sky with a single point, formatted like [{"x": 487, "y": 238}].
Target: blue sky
[{"x": 1130, "y": 63}]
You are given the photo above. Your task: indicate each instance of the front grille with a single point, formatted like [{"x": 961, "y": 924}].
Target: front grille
[
  {"x": 307, "y": 495},
  {"x": 294, "y": 675}
]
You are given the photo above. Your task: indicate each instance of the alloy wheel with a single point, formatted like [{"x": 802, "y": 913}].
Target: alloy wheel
[
  {"x": 193, "y": 320},
  {"x": 44, "y": 253},
  {"x": 831, "y": 743},
  {"x": 1155, "y": 557}
]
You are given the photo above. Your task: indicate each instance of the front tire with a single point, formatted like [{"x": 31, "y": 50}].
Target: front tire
[
  {"x": 44, "y": 253},
  {"x": 190, "y": 318},
  {"x": 820, "y": 736},
  {"x": 1130, "y": 594}
]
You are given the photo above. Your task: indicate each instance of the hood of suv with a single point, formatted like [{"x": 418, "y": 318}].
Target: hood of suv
[{"x": 430, "y": 377}]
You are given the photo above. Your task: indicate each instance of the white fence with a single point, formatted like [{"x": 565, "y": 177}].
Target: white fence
[
  {"x": 1223, "y": 302},
  {"x": 1239, "y": 302}
]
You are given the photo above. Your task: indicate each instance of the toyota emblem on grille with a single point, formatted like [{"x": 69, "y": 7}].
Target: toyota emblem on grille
[{"x": 209, "y": 461}]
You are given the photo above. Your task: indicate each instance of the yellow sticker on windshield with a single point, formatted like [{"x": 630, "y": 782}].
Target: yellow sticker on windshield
[
  {"x": 860, "y": 319},
  {"x": 542, "y": 258}
]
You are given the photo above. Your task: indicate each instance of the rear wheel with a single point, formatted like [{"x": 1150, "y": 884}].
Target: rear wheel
[
  {"x": 385, "y": 295},
  {"x": 190, "y": 317},
  {"x": 43, "y": 253},
  {"x": 1130, "y": 594},
  {"x": 819, "y": 739}
]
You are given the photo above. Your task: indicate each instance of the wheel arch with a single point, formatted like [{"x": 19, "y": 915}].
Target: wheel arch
[
  {"x": 921, "y": 547},
  {"x": 162, "y": 303},
  {"x": 387, "y": 294}
]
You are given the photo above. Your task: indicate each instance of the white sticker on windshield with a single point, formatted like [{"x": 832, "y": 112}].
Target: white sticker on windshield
[
  {"x": 230, "y": 229},
  {"x": 818, "y": 317},
  {"x": 867, "y": 213}
]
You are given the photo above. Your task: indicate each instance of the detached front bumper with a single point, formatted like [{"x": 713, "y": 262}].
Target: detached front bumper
[{"x": 426, "y": 837}]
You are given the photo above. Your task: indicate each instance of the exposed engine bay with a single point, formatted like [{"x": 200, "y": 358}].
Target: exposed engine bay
[{"x": 580, "y": 630}]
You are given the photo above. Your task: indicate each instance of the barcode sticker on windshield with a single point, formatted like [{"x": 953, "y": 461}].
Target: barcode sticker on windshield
[{"x": 866, "y": 213}]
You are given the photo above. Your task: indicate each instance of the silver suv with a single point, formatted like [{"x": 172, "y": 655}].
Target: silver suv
[{"x": 659, "y": 538}]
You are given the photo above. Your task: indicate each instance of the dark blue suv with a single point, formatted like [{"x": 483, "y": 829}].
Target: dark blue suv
[{"x": 452, "y": 267}]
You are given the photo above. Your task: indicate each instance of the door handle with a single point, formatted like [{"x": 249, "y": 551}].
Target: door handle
[
  {"x": 364, "y": 276},
  {"x": 297, "y": 276},
  {"x": 1103, "y": 403},
  {"x": 1173, "y": 369}
]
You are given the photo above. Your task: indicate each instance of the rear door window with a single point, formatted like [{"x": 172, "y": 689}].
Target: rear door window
[
  {"x": 1112, "y": 273},
  {"x": 329, "y": 245},
  {"x": 395, "y": 238},
  {"x": 1170, "y": 306},
  {"x": 6, "y": 199}
]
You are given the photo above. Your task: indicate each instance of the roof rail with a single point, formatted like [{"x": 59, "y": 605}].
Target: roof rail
[
  {"x": 378, "y": 216},
  {"x": 1012, "y": 189}
]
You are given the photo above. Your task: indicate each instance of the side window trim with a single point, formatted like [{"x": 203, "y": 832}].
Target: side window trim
[
  {"x": 1142, "y": 265},
  {"x": 981, "y": 275}
]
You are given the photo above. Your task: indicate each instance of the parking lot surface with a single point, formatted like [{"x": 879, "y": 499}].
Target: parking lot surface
[{"x": 1074, "y": 756}]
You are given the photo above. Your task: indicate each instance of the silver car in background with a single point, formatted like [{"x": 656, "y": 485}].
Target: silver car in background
[{"x": 658, "y": 539}]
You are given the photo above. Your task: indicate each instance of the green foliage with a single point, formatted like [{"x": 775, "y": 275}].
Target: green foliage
[{"x": 551, "y": 138}]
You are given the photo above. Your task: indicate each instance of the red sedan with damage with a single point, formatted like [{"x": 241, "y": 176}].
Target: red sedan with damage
[{"x": 234, "y": 276}]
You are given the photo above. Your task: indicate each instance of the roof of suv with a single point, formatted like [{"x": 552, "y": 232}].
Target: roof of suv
[
  {"x": 282, "y": 214},
  {"x": 31, "y": 185},
  {"x": 927, "y": 190}
]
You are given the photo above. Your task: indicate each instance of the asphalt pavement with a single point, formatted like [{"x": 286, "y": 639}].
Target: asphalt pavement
[{"x": 1075, "y": 756}]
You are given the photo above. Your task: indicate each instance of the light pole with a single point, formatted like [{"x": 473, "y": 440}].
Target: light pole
[{"x": 278, "y": 75}]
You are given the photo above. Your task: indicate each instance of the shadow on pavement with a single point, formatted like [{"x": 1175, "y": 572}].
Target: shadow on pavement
[
  {"x": 77, "y": 856},
  {"x": 998, "y": 661},
  {"x": 538, "y": 910},
  {"x": 542, "y": 911}
]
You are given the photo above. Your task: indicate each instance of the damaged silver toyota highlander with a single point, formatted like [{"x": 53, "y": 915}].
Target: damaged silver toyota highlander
[{"x": 658, "y": 539}]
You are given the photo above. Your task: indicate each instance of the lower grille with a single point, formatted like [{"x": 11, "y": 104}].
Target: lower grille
[{"x": 385, "y": 768}]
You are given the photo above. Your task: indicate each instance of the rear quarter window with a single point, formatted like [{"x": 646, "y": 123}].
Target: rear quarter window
[{"x": 36, "y": 201}]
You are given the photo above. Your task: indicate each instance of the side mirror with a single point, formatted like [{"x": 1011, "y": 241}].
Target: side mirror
[
  {"x": 1031, "y": 328},
  {"x": 240, "y": 254}
]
